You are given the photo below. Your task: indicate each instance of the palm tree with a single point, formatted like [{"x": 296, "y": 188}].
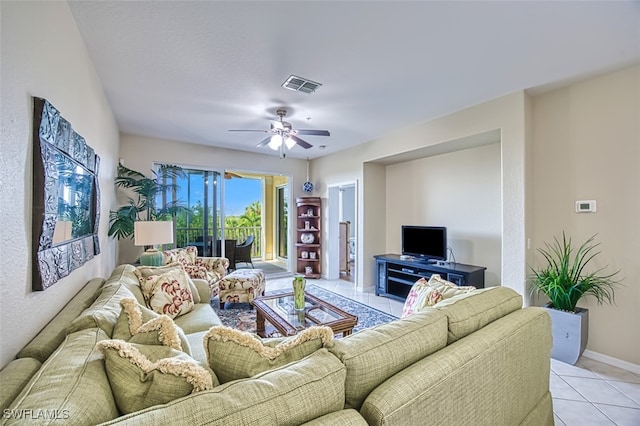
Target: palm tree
[
  {"x": 147, "y": 193},
  {"x": 252, "y": 215}
]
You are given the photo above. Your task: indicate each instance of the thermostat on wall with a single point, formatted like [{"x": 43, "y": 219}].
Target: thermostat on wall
[{"x": 586, "y": 206}]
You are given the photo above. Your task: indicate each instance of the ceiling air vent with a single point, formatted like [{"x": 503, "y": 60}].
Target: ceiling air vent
[{"x": 300, "y": 84}]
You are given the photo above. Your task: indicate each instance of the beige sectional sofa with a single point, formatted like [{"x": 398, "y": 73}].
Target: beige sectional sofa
[{"x": 478, "y": 358}]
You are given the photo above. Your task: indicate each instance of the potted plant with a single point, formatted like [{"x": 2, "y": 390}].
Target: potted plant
[
  {"x": 565, "y": 279},
  {"x": 147, "y": 191}
]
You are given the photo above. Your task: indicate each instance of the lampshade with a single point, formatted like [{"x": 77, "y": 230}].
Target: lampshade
[{"x": 151, "y": 233}]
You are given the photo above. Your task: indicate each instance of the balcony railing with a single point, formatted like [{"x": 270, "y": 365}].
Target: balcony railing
[{"x": 195, "y": 237}]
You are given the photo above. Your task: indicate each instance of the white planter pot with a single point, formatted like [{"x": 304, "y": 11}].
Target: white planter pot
[{"x": 570, "y": 333}]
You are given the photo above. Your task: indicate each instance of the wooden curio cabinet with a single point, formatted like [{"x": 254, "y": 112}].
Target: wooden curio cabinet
[{"x": 308, "y": 236}]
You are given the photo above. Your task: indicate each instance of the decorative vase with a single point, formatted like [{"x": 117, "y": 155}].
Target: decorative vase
[
  {"x": 299, "y": 283},
  {"x": 307, "y": 238}
]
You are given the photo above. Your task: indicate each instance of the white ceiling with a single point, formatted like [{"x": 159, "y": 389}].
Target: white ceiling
[{"x": 191, "y": 70}]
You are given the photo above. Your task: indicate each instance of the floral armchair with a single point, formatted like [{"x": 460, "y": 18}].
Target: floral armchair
[{"x": 211, "y": 269}]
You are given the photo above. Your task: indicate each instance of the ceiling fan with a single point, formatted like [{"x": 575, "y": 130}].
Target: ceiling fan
[{"x": 283, "y": 135}]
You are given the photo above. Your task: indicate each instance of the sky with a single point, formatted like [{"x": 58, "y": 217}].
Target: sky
[{"x": 239, "y": 193}]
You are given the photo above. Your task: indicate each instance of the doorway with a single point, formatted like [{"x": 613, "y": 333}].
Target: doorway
[
  {"x": 233, "y": 206},
  {"x": 261, "y": 213},
  {"x": 343, "y": 231}
]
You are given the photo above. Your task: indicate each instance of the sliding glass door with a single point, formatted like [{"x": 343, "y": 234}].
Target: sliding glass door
[
  {"x": 200, "y": 226},
  {"x": 237, "y": 207},
  {"x": 282, "y": 216}
]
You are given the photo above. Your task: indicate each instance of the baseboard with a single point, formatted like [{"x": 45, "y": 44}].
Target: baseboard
[{"x": 629, "y": 366}]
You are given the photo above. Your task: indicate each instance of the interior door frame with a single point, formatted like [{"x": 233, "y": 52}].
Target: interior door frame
[{"x": 333, "y": 214}]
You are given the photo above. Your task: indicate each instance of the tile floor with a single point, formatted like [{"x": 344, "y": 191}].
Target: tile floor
[{"x": 588, "y": 393}]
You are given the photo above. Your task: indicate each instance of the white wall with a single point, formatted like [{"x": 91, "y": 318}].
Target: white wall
[
  {"x": 587, "y": 146},
  {"x": 139, "y": 153},
  {"x": 43, "y": 55},
  {"x": 506, "y": 115},
  {"x": 459, "y": 190}
]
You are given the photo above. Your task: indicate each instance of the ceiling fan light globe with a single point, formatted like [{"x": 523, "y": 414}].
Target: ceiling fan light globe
[
  {"x": 290, "y": 143},
  {"x": 275, "y": 142}
]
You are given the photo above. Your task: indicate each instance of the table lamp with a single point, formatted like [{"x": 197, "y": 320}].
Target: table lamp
[{"x": 151, "y": 233}]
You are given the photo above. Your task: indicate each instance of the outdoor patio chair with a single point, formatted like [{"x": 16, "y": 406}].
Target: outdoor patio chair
[{"x": 243, "y": 251}]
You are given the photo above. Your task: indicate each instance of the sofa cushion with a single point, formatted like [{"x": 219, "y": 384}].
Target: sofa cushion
[
  {"x": 288, "y": 395},
  {"x": 375, "y": 354},
  {"x": 104, "y": 312},
  {"x": 428, "y": 293},
  {"x": 201, "y": 318},
  {"x": 471, "y": 311},
  {"x": 142, "y": 272},
  {"x": 137, "y": 324},
  {"x": 235, "y": 354},
  {"x": 14, "y": 376},
  {"x": 142, "y": 376},
  {"x": 72, "y": 383},
  {"x": 495, "y": 376},
  {"x": 348, "y": 417},
  {"x": 125, "y": 275},
  {"x": 48, "y": 340},
  {"x": 168, "y": 293}
]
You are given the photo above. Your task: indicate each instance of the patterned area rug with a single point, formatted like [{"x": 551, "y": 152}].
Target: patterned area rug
[{"x": 241, "y": 317}]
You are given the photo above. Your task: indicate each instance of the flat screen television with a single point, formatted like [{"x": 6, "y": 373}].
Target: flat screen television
[{"x": 425, "y": 242}]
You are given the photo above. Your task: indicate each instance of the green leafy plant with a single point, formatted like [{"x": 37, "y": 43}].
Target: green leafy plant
[
  {"x": 564, "y": 279},
  {"x": 145, "y": 204}
]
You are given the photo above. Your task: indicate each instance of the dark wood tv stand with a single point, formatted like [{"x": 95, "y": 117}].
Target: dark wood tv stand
[{"x": 395, "y": 276}]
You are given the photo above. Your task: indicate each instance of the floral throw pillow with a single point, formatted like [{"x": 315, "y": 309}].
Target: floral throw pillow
[
  {"x": 428, "y": 293},
  {"x": 168, "y": 293},
  {"x": 415, "y": 298}
]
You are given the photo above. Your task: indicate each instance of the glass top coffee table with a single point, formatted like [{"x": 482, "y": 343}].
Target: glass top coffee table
[{"x": 279, "y": 312}]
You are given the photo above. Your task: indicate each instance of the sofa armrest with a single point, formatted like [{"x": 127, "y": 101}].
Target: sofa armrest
[
  {"x": 204, "y": 290},
  {"x": 14, "y": 377}
]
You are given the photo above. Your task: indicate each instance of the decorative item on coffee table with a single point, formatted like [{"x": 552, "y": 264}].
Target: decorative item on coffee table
[
  {"x": 280, "y": 312},
  {"x": 308, "y": 242},
  {"x": 299, "y": 283}
]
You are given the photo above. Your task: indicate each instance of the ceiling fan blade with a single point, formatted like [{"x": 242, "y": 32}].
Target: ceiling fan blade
[
  {"x": 302, "y": 143},
  {"x": 264, "y": 142},
  {"x": 248, "y": 130},
  {"x": 313, "y": 132}
]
